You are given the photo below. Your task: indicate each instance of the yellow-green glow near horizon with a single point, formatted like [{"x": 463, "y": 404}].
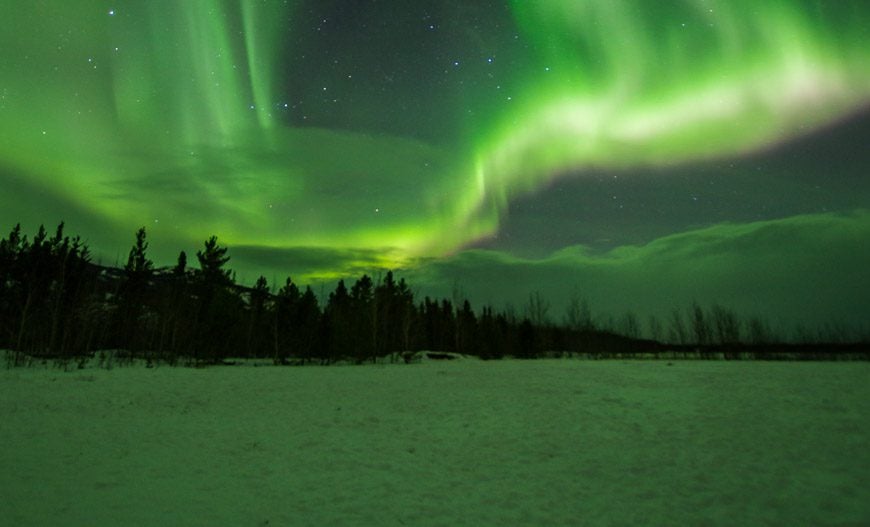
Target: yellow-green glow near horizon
[{"x": 178, "y": 114}]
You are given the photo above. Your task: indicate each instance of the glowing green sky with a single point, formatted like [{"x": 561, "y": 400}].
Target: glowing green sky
[{"x": 326, "y": 138}]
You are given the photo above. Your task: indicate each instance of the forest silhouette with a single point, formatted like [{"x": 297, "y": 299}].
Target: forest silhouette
[{"x": 56, "y": 304}]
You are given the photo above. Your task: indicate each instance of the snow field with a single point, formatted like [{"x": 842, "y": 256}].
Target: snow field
[{"x": 465, "y": 442}]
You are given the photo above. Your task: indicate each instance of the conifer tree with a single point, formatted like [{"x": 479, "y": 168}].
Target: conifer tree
[
  {"x": 284, "y": 324},
  {"x": 138, "y": 264},
  {"x": 219, "y": 329},
  {"x": 177, "y": 312},
  {"x": 364, "y": 332},
  {"x": 11, "y": 282},
  {"x": 307, "y": 325},
  {"x": 258, "y": 298},
  {"x": 181, "y": 266},
  {"x": 132, "y": 296},
  {"x": 466, "y": 330},
  {"x": 406, "y": 314},
  {"x": 337, "y": 323},
  {"x": 36, "y": 277},
  {"x": 211, "y": 262}
]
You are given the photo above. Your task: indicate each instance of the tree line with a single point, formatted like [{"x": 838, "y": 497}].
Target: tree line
[{"x": 55, "y": 303}]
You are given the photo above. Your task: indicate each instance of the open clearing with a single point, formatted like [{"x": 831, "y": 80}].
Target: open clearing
[{"x": 547, "y": 442}]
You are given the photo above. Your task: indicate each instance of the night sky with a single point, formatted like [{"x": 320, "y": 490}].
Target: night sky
[{"x": 639, "y": 154}]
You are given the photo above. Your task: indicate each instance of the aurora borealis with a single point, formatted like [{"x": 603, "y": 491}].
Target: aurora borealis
[{"x": 646, "y": 154}]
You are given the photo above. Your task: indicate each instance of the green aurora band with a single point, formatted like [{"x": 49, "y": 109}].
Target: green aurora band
[
  {"x": 167, "y": 110},
  {"x": 626, "y": 87}
]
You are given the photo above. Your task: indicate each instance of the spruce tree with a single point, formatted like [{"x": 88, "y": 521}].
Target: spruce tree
[
  {"x": 284, "y": 325},
  {"x": 138, "y": 265},
  {"x": 257, "y": 307},
  {"x": 181, "y": 266},
  {"x": 338, "y": 323},
  {"x": 131, "y": 297},
  {"x": 211, "y": 262},
  {"x": 307, "y": 325}
]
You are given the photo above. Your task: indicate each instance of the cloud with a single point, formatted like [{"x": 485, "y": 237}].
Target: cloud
[{"x": 808, "y": 269}]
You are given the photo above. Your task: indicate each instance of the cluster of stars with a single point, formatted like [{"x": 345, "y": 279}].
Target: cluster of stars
[{"x": 366, "y": 63}]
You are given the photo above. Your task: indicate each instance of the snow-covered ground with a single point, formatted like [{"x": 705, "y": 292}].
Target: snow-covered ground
[{"x": 464, "y": 442}]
